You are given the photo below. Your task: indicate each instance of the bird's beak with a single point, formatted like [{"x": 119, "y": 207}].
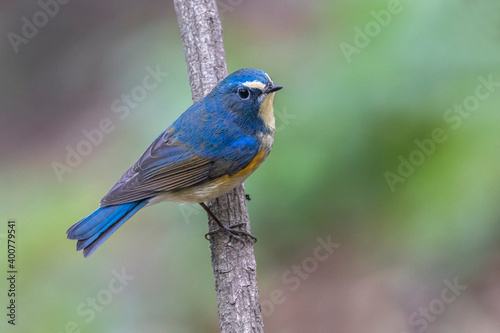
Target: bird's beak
[{"x": 273, "y": 88}]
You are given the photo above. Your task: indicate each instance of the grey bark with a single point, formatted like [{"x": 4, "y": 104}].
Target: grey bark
[{"x": 233, "y": 261}]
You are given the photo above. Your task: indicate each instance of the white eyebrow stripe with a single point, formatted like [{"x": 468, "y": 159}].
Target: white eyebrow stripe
[{"x": 255, "y": 84}]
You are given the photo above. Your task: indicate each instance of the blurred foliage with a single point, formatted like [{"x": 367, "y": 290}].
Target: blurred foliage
[{"x": 342, "y": 125}]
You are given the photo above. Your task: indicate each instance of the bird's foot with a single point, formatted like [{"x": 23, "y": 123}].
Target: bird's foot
[{"x": 232, "y": 232}]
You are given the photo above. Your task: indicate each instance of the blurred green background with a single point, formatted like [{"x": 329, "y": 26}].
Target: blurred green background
[{"x": 363, "y": 81}]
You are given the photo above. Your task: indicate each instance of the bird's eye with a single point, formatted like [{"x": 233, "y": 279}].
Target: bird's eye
[{"x": 243, "y": 93}]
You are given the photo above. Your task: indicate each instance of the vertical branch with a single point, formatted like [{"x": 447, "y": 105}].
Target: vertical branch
[{"x": 233, "y": 262}]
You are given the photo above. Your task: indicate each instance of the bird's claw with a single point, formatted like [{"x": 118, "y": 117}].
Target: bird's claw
[{"x": 232, "y": 232}]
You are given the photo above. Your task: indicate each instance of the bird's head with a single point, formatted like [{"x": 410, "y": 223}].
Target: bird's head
[{"x": 248, "y": 95}]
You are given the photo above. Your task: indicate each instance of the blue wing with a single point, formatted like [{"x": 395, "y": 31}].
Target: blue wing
[{"x": 170, "y": 164}]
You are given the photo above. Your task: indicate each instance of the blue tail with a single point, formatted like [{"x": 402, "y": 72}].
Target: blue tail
[{"x": 93, "y": 230}]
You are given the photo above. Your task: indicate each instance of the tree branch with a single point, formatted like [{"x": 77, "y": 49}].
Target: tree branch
[{"x": 233, "y": 261}]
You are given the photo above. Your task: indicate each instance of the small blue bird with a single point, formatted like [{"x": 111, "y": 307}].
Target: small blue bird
[{"x": 210, "y": 149}]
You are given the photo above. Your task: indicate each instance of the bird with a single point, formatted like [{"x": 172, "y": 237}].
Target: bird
[{"x": 210, "y": 149}]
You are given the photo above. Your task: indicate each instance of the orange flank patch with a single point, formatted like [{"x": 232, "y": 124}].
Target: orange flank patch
[
  {"x": 246, "y": 171},
  {"x": 216, "y": 188},
  {"x": 253, "y": 165}
]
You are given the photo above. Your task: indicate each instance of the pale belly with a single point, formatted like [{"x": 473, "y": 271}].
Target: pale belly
[{"x": 202, "y": 193}]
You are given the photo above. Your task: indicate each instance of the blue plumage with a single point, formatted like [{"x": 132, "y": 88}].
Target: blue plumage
[
  {"x": 211, "y": 148},
  {"x": 93, "y": 230}
]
